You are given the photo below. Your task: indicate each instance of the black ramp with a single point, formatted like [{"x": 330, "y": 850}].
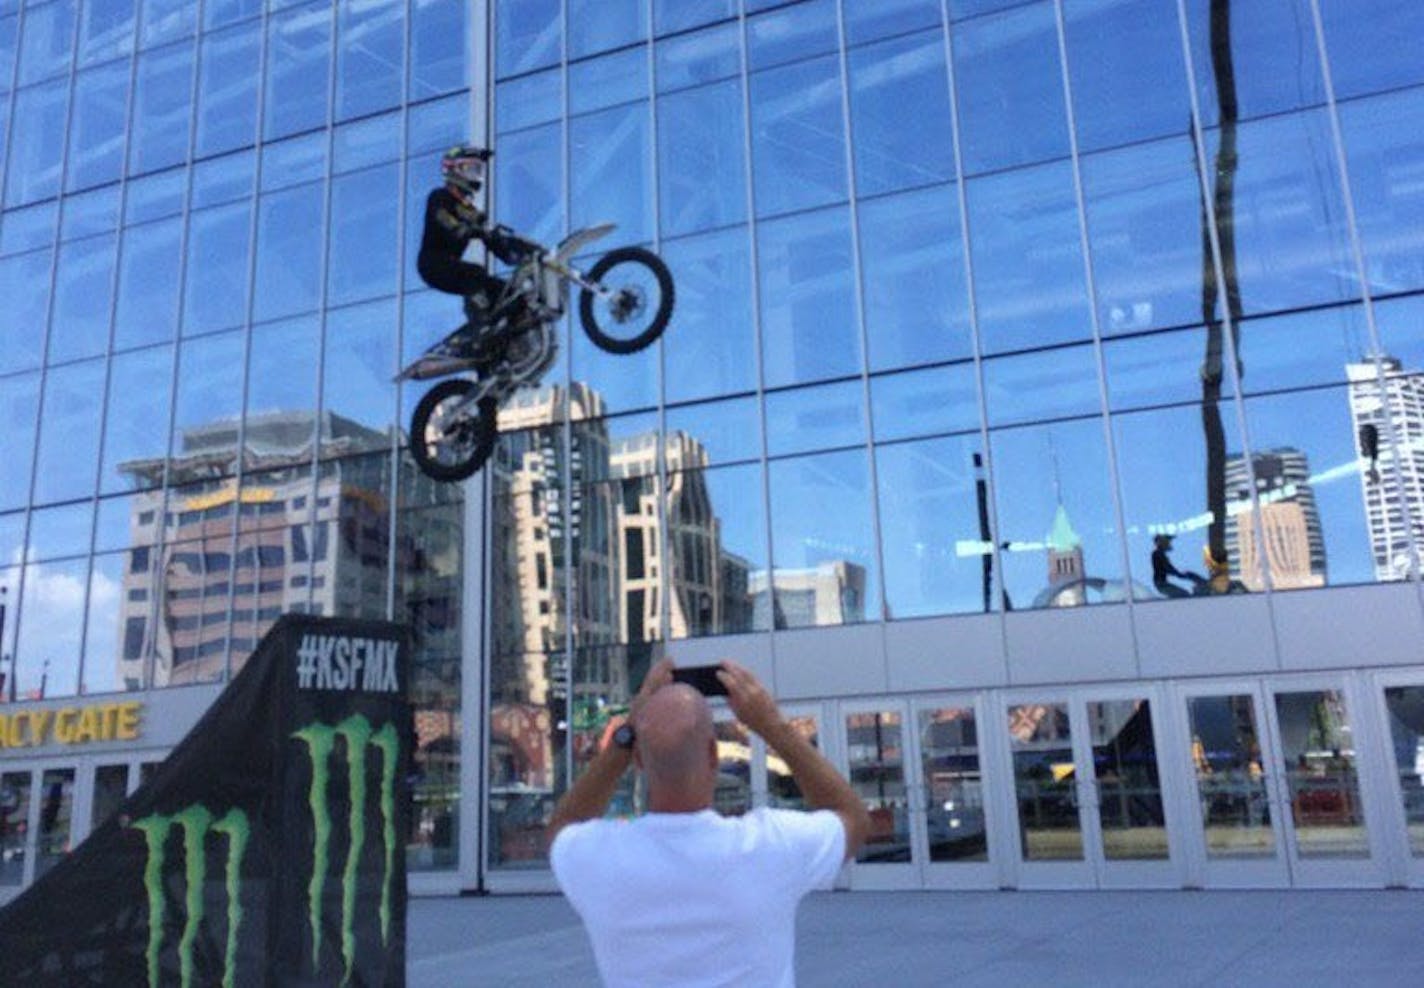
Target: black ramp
[{"x": 268, "y": 849}]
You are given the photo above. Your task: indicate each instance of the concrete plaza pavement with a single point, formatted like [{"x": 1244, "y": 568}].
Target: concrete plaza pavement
[{"x": 968, "y": 939}]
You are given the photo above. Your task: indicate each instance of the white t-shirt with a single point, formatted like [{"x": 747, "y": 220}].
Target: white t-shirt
[{"x": 696, "y": 899}]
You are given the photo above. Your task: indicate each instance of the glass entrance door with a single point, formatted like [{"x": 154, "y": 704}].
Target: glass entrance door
[
  {"x": 1402, "y": 805},
  {"x": 1236, "y": 835},
  {"x": 1088, "y": 790},
  {"x": 950, "y": 799},
  {"x": 875, "y": 735},
  {"x": 1320, "y": 789}
]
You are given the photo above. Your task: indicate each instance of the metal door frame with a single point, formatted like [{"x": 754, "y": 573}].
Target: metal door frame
[
  {"x": 890, "y": 875},
  {"x": 1403, "y": 866},
  {"x": 955, "y": 874}
]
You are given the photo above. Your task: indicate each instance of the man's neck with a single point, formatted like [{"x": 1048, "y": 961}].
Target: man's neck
[{"x": 678, "y": 803}]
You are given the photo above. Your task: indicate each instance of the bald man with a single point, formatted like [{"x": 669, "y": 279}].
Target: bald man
[{"x": 681, "y": 895}]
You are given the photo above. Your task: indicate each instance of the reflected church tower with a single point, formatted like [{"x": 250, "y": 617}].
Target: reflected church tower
[{"x": 1065, "y": 562}]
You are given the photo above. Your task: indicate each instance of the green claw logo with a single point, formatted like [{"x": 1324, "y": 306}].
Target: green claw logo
[
  {"x": 357, "y": 736},
  {"x": 196, "y": 822}
]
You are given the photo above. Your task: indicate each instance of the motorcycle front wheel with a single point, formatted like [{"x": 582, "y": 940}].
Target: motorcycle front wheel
[
  {"x": 447, "y": 445},
  {"x": 638, "y": 305}
]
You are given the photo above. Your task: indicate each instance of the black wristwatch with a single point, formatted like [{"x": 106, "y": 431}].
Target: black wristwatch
[{"x": 624, "y": 737}]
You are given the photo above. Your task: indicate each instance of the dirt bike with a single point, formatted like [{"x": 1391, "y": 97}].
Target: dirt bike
[{"x": 625, "y": 302}]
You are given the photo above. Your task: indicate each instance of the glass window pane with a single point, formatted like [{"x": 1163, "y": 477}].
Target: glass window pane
[
  {"x": 216, "y": 295},
  {"x": 136, "y": 428},
  {"x": 1044, "y": 384},
  {"x": 91, "y": 213},
  {"x": 1028, "y": 260},
  {"x": 1168, "y": 495},
  {"x": 49, "y": 639},
  {"x": 528, "y": 35},
  {"x": 791, "y": 33},
  {"x": 936, "y": 548},
  {"x": 1158, "y": 368},
  {"x": 825, "y": 569},
  {"x": 106, "y": 30},
  {"x": 529, "y": 184},
  {"x": 298, "y": 56},
  {"x": 716, "y": 538},
  {"x": 802, "y": 420},
  {"x": 1363, "y": 37},
  {"x": 432, "y": 123},
  {"x": 360, "y": 359},
  {"x": 209, "y": 398},
  {"x": 809, "y": 326},
  {"x": 59, "y": 532},
  {"x": 289, "y": 237},
  {"x": 925, "y": 402},
  {"x": 868, "y": 20},
  {"x": 912, "y": 262},
  {"x": 798, "y": 139},
  {"x": 724, "y": 431},
  {"x": 611, "y": 161},
  {"x": 617, "y": 383},
  {"x": 155, "y": 196},
  {"x": 1315, "y": 490},
  {"x": 1316, "y": 346},
  {"x": 1010, "y": 89},
  {"x": 1125, "y": 62},
  {"x": 167, "y": 20},
  {"x": 24, "y": 284},
  {"x": 886, "y": 78},
  {"x": 281, "y": 376},
  {"x": 69, "y": 432},
  {"x": 679, "y": 15},
  {"x": 1145, "y": 232},
  {"x": 1273, "y": 60},
  {"x": 698, "y": 58},
  {"x": 148, "y": 284},
  {"x": 227, "y": 89},
  {"x": 1384, "y": 142},
  {"x": 216, "y": 13},
  {"x": 225, "y": 179},
  {"x": 162, "y": 108},
  {"x": 293, "y": 161},
  {"x": 438, "y": 38},
  {"x": 701, "y": 158},
  {"x": 369, "y": 62},
  {"x": 111, "y": 787},
  {"x": 96, "y": 125},
  {"x": 363, "y": 143},
  {"x": 1056, "y": 526},
  {"x": 29, "y": 228},
  {"x": 79, "y": 324},
  {"x": 598, "y": 25},
  {"x": 712, "y": 321},
  {"x": 361, "y": 261},
  {"x": 19, "y": 401},
  {"x": 1292, "y": 247},
  {"x": 36, "y": 144},
  {"x": 48, "y": 42},
  {"x": 528, "y": 100}
]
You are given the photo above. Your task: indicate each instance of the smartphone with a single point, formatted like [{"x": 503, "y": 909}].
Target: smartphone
[{"x": 701, "y": 678}]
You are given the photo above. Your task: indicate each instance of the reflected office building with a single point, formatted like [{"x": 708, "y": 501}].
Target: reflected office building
[{"x": 1058, "y": 460}]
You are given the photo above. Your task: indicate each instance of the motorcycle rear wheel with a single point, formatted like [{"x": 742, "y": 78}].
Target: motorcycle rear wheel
[
  {"x": 638, "y": 310},
  {"x": 451, "y": 451}
]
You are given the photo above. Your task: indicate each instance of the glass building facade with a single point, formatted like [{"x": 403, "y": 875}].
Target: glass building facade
[{"x": 1042, "y": 413}]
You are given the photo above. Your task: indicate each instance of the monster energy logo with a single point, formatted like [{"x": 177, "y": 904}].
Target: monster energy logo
[
  {"x": 196, "y": 822},
  {"x": 358, "y": 735}
]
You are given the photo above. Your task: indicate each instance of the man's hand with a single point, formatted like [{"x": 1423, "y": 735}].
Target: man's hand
[{"x": 748, "y": 698}]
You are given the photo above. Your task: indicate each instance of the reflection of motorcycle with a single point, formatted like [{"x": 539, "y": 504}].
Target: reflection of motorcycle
[{"x": 625, "y": 302}]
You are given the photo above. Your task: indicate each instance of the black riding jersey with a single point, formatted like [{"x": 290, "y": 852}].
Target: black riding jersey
[{"x": 450, "y": 225}]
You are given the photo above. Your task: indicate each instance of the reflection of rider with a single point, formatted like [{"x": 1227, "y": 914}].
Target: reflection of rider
[
  {"x": 452, "y": 221},
  {"x": 1162, "y": 568}
]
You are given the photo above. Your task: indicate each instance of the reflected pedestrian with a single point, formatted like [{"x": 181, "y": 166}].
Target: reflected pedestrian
[{"x": 1162, "y": 568}]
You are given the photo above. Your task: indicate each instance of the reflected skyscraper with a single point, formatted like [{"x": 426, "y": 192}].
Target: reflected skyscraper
[
  {"x": 192, "y": 595},
  {"x": 1394, "y": 494},
  {"x": 1289, "y": 521}
]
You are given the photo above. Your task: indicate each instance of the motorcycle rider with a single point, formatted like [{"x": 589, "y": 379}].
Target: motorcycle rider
[{"x": 453, "y": 220}]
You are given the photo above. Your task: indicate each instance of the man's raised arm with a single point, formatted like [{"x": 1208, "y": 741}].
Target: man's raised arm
[{"x": 823, "y": 787}]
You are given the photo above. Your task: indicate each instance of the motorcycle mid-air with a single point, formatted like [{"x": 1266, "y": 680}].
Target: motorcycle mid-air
[{"x": 625, "y": 302}]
